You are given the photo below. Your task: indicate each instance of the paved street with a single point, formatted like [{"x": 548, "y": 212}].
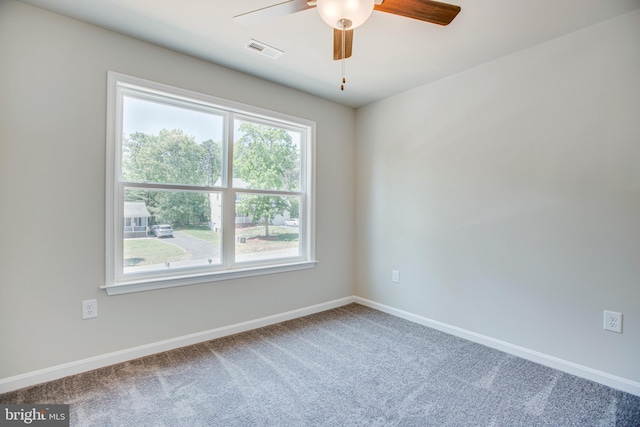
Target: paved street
[{"x": 198, "y": 248}]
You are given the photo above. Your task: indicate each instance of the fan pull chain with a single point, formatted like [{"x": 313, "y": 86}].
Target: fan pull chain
[{"x": 344, "y": 59}]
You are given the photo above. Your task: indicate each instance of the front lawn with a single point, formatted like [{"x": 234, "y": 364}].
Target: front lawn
[
  {"x": 255, "y": 239},
  {"x": 150, "y": 251},
  {"x": 203, "y": 233}
]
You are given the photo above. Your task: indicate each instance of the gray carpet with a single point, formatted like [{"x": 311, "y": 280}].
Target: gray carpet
[{"x": 351, "y": 366}]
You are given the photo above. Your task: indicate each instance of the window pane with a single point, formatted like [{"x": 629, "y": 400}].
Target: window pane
[
  {"x": 170, "y": 229},
  {"x": 201, "y": 189},
  {"x": 267, "y": 227},
  {"x": 265, "y": 157},
  {"x": 169, "y": 144}
]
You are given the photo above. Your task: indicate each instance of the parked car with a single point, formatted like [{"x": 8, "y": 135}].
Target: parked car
[
  {"x": 164, "y": 230},
  {"x": 293, "y": 222}
]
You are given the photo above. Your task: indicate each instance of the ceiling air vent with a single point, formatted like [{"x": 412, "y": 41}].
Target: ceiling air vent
[{"x": 263, "y": 49}]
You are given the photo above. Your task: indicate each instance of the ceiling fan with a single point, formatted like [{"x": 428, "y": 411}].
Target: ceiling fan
[{"x": 345, "y": 15}]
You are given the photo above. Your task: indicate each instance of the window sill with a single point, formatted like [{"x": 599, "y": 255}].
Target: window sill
[{"x": 151, "y": 284}]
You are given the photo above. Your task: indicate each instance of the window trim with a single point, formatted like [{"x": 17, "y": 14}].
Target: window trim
[{"x": 118, "y": 283}]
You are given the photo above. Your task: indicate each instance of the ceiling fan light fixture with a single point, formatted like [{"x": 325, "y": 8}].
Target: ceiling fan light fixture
[{"x": 345, "y": 14}]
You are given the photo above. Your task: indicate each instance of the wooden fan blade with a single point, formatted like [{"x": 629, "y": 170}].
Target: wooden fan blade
[
  {"x": 423, "y": 10},
  {"x": 271, "y": 12},
  {"x": 337, "y": 44}
]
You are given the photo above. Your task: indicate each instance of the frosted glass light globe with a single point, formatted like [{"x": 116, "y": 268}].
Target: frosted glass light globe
[{"x": 333, "y": 12}]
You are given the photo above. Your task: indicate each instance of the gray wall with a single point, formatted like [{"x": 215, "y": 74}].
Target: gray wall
[
  {"x": 53, "y": 83},
  {"x": 508, "y": 196}
]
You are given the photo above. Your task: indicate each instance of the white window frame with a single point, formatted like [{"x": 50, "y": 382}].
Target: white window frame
[{"x": 116, "y": 281}]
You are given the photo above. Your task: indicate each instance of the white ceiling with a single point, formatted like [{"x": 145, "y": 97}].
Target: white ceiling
[{"x": 391, "y": 54}]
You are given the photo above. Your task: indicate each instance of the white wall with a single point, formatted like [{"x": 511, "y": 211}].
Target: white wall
[
  {"x": 508, "y": 196},
  {"x": 53, "y": 83}
]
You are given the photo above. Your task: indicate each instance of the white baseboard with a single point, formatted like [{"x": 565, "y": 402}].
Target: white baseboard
[
  {"x": 525, "y": 353},
  {"x": 89, "y": 364}
]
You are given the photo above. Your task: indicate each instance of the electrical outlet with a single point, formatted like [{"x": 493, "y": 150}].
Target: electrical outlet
[
  {"x": 613, "y": 321},
  {"x": 89, "y": 308},
  {"x": 395, "y": 276}
]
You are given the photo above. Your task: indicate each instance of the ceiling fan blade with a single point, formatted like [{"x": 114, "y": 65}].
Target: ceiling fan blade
[
  {"x": 338, "y": 52},
  {"x": 271, "y": 12},
  {"x": 423, "y": 10}
]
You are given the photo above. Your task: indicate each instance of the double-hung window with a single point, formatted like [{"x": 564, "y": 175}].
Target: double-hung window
[{"x": 202, "y": 189}]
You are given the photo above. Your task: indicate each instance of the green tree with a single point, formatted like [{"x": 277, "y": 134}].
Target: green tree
[
  {"x": 172, "y": 157},
  {"x": 294, "y": 209},
  {"x": 211, "y": 160},
  {"x": 266, "y": 158}
]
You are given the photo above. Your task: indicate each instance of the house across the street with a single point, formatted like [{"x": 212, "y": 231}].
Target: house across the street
[{"x": 136, "y": 219}]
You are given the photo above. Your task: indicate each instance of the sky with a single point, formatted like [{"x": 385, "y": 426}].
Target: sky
[{"x": 150, "y": 118}]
